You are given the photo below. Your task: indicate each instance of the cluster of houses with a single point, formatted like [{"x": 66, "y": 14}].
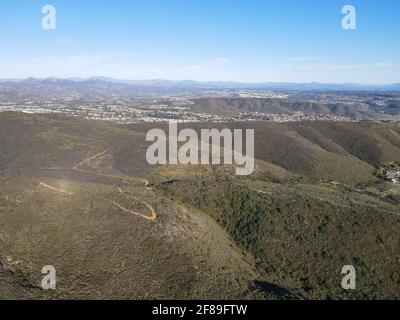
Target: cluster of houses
[{"x": 393, "y": 176}]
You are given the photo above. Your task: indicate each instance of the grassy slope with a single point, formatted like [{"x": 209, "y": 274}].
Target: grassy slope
[
  {"x": 296, "y": 234},
  {"x": 102, "y": 252},
  {"x": 305, "y": 225},
  {"x": 99, "y": 250},
  {"x": 302, "y": 234}
]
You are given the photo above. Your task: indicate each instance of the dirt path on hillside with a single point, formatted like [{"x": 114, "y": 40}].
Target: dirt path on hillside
[
  {"x": 90, "y": 159},
  {"x": 153, "y": 215},
  {"x": 55, "y": 189}
]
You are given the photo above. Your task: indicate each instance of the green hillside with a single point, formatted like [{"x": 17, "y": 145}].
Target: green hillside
[{"x": 73, "y": 194}]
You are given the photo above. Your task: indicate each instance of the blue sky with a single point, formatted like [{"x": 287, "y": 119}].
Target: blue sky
[{"x": 216, "y": 40}]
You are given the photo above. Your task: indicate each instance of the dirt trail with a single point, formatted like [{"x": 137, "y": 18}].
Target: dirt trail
[
  {"x": 90, "y": 159},
  {"x": 55, "y": 189},
  {"x": 153, "y": 216}
]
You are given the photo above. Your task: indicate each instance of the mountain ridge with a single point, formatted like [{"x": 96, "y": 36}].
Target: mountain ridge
[{"x": 309, "y": 86}]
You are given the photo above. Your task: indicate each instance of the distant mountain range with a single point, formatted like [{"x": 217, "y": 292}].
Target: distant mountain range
[{"x": 192, "y": 85}]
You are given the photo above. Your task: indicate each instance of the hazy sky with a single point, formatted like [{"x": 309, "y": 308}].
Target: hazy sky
[{"x": 238, "y": 40}]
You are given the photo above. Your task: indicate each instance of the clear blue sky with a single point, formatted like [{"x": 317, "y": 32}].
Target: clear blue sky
[{"x": 238, "y": 40}]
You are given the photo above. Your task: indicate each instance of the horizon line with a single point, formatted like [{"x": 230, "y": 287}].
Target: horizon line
[{"x": 105, "y": 78}]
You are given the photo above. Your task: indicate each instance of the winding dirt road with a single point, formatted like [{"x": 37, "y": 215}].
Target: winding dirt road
[{"x": 153, "y": 216}]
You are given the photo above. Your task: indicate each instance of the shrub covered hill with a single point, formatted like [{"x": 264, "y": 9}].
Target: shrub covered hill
[{"x": 79, "y": 195}]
